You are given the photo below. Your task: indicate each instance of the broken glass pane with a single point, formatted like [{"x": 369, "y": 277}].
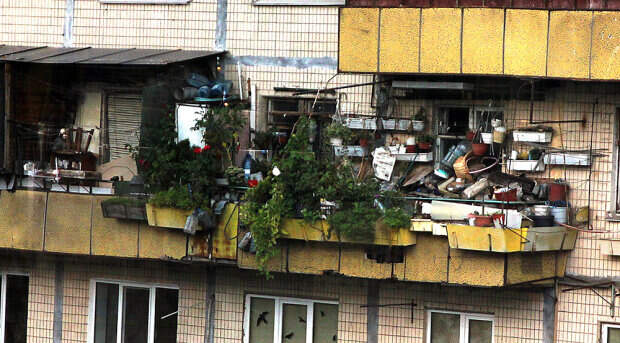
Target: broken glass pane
[
  {"x": 445, "y": 327},
  {"x": 294, "y": 323},
  {"x": 325, "y": 323},
  {"x": 262, "y": 313},
  {"x": 480, "y": 331}
]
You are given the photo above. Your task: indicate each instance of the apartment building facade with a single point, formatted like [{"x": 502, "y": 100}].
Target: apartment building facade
[{"x": 71, "y": 275}]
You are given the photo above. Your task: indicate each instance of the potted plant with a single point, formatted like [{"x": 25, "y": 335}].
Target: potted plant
[
  {"x": 170, "y": 208},
  {"x": 419, "y": 120},
  {"x": 124, "y": 208},
  {"x": 425, "y": 143},
  {"x": 478, "y": 147},
  {"x": 363, "y": 138},
  {"x": 337, "y": 133},
  {"x": 396, "y": 218},
  {"x": 263, "y": 140}
]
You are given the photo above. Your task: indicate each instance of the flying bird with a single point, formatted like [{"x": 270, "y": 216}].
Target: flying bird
[{"x": 262, "y": 318}]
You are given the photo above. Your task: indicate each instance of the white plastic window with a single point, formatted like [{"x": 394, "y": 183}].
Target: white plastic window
[
  {"x": 165, "y": 2},
  {"x": 458, "y": 327},
  {"x": 124, "y": 312},
  {"x": 610, "y": 333},
  {"x": 299, "y": 2},
  {"x": 289, "y": 320},
  {"x": 13, "y": 307}
]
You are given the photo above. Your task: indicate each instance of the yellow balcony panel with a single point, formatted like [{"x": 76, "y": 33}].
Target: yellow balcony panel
[
  {"x": 524, "y": 267},
  {"x": 312, "y": 257},
  {"x": 490, "y": 239},
  {"x": 354, "y": 263},
  {"x": 525, "y": 46},
  {"x": 359, "y": 40},
  {"x": 400, "y": 40},
  {"x": 427, "y": 261},
  {"x": 246, "y": 260},
  {"x": 68, "y": 223},
  {"x": 476, "y": 268},
  {"x": 441, "y": 40},
  {"x": 555, "y": 238},
  {"x": 569, "y": 44},
  {"x": 113, "y": 237},
  {"x": 605, "y": 63},
  {"x": 421, "y": 225},
  {"x": 166, "y": 216},
  {"x": 319, "y": 231},
  {"x": 483, "y": 41},
  {"x": 224, "y": 243},
  {"x": 21, "y": 220},
  {"x": 160, "y": 243}
]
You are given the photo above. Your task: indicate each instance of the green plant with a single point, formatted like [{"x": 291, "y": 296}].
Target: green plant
[
  {"x": 235, "y": 176},
  {"x": 356, "y": 223},
  {"x": 178, "y": 197},
  {"x": 338, "y": 130},
  {"x": 263, "y": 140},
  {"x": 396, "y": 218},
  {"x": 220, "y": 127},
  {"x": 426, "y": 139},
  {"x": 420, "y": 115}
]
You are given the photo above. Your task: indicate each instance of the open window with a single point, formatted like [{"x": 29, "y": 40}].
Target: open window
[
  {"x": 289, "y": 320},
  {"x": 14, "y": 309},
  {"x": 127, "y": 312},
  {"x": 459, "y": 327}
]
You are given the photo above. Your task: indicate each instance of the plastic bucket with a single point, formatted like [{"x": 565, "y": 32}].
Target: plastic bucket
[
  {"x": 499, "y": 134},
  {"x": 557, "y": 192},
  {"x": 560, "y": 214},
  {"x": 487, "y": 137}
]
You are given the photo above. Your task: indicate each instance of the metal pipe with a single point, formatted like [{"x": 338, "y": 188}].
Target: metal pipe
[{"x": 342, "y": 87}]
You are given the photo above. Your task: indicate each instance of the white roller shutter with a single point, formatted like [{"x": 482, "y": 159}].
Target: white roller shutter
[{"x": 123, "y": 123}]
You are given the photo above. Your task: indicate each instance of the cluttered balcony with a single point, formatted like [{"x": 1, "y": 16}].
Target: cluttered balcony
[{"x": 450, "y": 192}]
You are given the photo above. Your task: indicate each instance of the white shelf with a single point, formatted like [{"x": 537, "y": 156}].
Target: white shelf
[{"x": 417, "y": 157}]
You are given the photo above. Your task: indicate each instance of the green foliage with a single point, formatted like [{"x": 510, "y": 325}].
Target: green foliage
[
  {"x": 220, "y": 127},
  {"x": 177, "y": 197},
  {"x": 426, "y": 139},
  {"x": 356, "y": 223},
  {"x": 420, "y": 115},
  {"x": 263, "y": 140},
  {"x": 235, "y": 176},
  {"x": 396, "y": 218},
  {"x": 338, "y": 130}
]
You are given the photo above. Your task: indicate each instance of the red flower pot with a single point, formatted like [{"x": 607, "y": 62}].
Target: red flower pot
[
  {"x": 479, "y": 149},
  {"x": 363, "y": 142},
  {"x": 410, "y": 149},
  {"x": 424, "y": 146}
]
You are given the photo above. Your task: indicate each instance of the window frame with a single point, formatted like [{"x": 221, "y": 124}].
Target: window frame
[
  {"x": 3, "y": 277},
  {"x": 152, "y": 287},
  {"x": 464, "y": 318},
  {"x": 298, "y": 2},
  {"x": 604, "y": 327},
  {"x": 614, "y": 211},
  {"x": 278, "y": 306}
]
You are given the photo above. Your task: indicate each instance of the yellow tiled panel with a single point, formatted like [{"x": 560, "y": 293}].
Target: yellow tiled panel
[
  {"x": 427, "y": 261},
  {"x": 400, "y": 40},
  {"x": 312, "y": 257},
  {"x": 534, "y": 266},
  {"x": 68, "y": 223},
  {"x": 358, "y": 39},
  {"x": 23, "y": 228},
  {"x": 606, "y": 45},
  {"x": 441, "y": 40},
  {"x": 525, "y": 46},
  {"x": 476, "y": 268},
  {"x": 483, "y": 41},
  {"x": 353, "y": 262},
  {"x": 156, "y": 242},
  {"x": 569, "y": 44},
  {"x": 113, "y": 237}
]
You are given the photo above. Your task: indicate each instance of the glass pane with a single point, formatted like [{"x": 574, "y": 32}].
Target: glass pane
[
  {"x": 445, "y": 327},
  {"x": 613, "y": 335},
  {"x": 480, "y": 331},
  {"x": 294, "y": 323},
  {"x": 135, "y": 315},
  {"x": 166, "y": 314},
  {"x": 106, "y": 312},
  {"x": 16, "y": 309},
  {"x": 325, "y": 323},
  {"x": 262, "y": 314}
]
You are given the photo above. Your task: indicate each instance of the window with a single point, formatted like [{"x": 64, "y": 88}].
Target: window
[
  {"x": 299, "y": 2},
  {"x": 455, "y": 327},
  {"x": 610, "y": 333},
  {"x": 132, "y": 313},
  {"x": 288, "y": 320},
  {"x": 614, "y": 203},
  {"x": 123, "y": 117},
  {"x": 167, "y": 2},
  {"x": 14, "y": 309}
]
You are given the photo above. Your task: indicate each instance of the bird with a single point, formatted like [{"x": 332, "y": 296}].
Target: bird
[
  {"x": 301, "y": 320},
  {"x": 289, "y": 336},
  {"x": 262, "y": 318},
  {"x": 334, "y": 338},
  {"x": 322, "y": 314}
]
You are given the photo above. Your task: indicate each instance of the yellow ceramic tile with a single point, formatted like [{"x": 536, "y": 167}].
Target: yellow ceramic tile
[
  {"x": 569, "y": 44},
  {"x": 358, "y": 39},
  {"x": 525, "y": 46},
  {"x": 400, "y": 40},
  {"x": 483, "y": 41},
  {"x": 441, "y": 40},
  {"x": 606, "y": 45}
]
